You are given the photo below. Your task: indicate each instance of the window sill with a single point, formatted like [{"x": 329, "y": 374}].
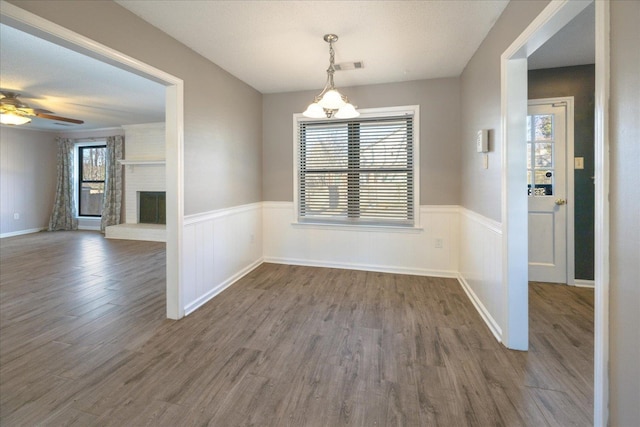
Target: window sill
[
  {"x": 141, "y": 162},
  {"x": 367, "y": 228}
]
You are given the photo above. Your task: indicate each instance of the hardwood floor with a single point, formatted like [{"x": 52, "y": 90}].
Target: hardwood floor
[{"x": 84, "y": 341}]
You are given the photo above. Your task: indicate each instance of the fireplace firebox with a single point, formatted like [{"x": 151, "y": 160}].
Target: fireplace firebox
[{"x": 152, "y": 207}]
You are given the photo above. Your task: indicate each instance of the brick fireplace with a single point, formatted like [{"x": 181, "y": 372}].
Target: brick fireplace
[{"x": 144, "y": 172}]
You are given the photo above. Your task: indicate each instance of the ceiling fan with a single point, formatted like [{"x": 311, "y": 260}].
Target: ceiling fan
[{"x": 15, "y": 112}]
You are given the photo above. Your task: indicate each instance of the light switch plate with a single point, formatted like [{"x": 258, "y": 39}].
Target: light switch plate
[
  {"x": 578, "y": 163},
  {"x": 482, "y": 141}
]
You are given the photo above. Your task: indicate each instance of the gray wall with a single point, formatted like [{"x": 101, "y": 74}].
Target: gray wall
[
  {"x": 208, "y": 135},
  {"x": 480, "y": 93},
  {"x": 624, "y": 297},
  {"x": 578, "y": 82},
  {"x": 439, "y": 101},
  {"x": 27, "y": 178},
  {"x": 223, "y": 116},
  {"x": 481, "y": 190}
]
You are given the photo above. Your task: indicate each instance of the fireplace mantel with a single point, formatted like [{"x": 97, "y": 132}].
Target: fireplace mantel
[{"x": 131, "y": 163}]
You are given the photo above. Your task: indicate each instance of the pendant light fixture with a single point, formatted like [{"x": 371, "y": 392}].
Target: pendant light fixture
[{"x": 331, "y": 103}]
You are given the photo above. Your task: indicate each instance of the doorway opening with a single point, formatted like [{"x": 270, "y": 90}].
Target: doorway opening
[
  {"x": 174, "y": 122},
  {"x": 550, "y": 189},
  {"x": 514, "y": 111}
]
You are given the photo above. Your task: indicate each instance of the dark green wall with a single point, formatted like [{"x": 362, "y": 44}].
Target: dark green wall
[{"x": 579, "y": 82}]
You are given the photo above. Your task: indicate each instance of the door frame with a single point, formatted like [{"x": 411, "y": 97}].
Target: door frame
[
  {"x": 570, "y": 178},
  {"x": 514, "y": 245},
  {"x": 174, "y": 130}
]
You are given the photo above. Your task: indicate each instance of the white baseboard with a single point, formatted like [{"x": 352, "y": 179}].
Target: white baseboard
[
  {"x": 484, "y": 313},
  {"x": 363, "y": 267},
  {"x": 21, "y": 232},
  {"x": 580, "y": 283},
  {"x": 190, "y": 308}
]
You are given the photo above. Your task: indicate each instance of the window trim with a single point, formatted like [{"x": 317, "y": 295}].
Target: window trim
[
  {"x": 398, "y": 111},
  {"x": 77, "y": 176}
]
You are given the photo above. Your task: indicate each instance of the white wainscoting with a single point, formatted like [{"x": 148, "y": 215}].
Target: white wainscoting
[
  {"x": 222, "y": 246},
  {"x": 480, "y": 267},
  {"x": 373, "y": 249},
  {"x": 219, "y": 247}
]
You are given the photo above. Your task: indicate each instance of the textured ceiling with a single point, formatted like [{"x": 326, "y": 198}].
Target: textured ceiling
[{"x": 275, "y": 46}]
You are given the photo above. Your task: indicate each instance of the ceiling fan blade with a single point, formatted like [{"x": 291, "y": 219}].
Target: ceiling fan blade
[
  {"x": 41, "y": 111},
  {"x": 58, "y": 118}
]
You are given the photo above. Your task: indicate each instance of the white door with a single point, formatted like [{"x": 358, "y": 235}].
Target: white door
[{"x": 546, "y": 179}]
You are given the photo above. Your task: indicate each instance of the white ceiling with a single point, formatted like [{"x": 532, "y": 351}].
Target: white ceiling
[
  {"x": 274, "y": 46},
  {"x": 575, "y": 44},
  {"x": 278, "y": 46},
  {"x": 72, "y": 85}
]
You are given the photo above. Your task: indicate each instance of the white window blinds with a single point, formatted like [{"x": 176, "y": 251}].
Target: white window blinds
[{"x": 356, "y": 171}]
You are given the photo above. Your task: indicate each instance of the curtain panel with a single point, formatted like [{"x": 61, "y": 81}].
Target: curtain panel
[
  {"x": 112, "y": 198},
  {"x": 63, "y": 215}
]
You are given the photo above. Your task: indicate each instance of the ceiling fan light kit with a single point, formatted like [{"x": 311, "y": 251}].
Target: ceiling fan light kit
[
  {"x": 10, "y": 118},
  {"x": 15, "y": 112},
  {"x": 331, "y": 103}
]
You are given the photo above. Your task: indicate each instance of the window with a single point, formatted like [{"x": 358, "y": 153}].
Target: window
[
  {"x": 357, "y": 171},
  {"x": 540, "y": 161},
  {"x": 91, "y": 175}
]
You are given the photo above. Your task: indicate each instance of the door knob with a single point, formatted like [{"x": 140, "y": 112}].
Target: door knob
[{"x": 560, "y": 202}]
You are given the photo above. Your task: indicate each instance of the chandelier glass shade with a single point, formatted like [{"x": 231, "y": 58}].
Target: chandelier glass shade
[{"x": 331, "y": 103}]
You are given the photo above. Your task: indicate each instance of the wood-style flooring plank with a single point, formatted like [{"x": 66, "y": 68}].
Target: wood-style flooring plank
[{"x": 84, "y": 341}]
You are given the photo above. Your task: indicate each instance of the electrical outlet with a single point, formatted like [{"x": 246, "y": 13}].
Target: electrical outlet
[
  {"x": 16, "y": 215},
  {"x": 439, "y": 243},
  {"x": 252, "y": 238}
]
